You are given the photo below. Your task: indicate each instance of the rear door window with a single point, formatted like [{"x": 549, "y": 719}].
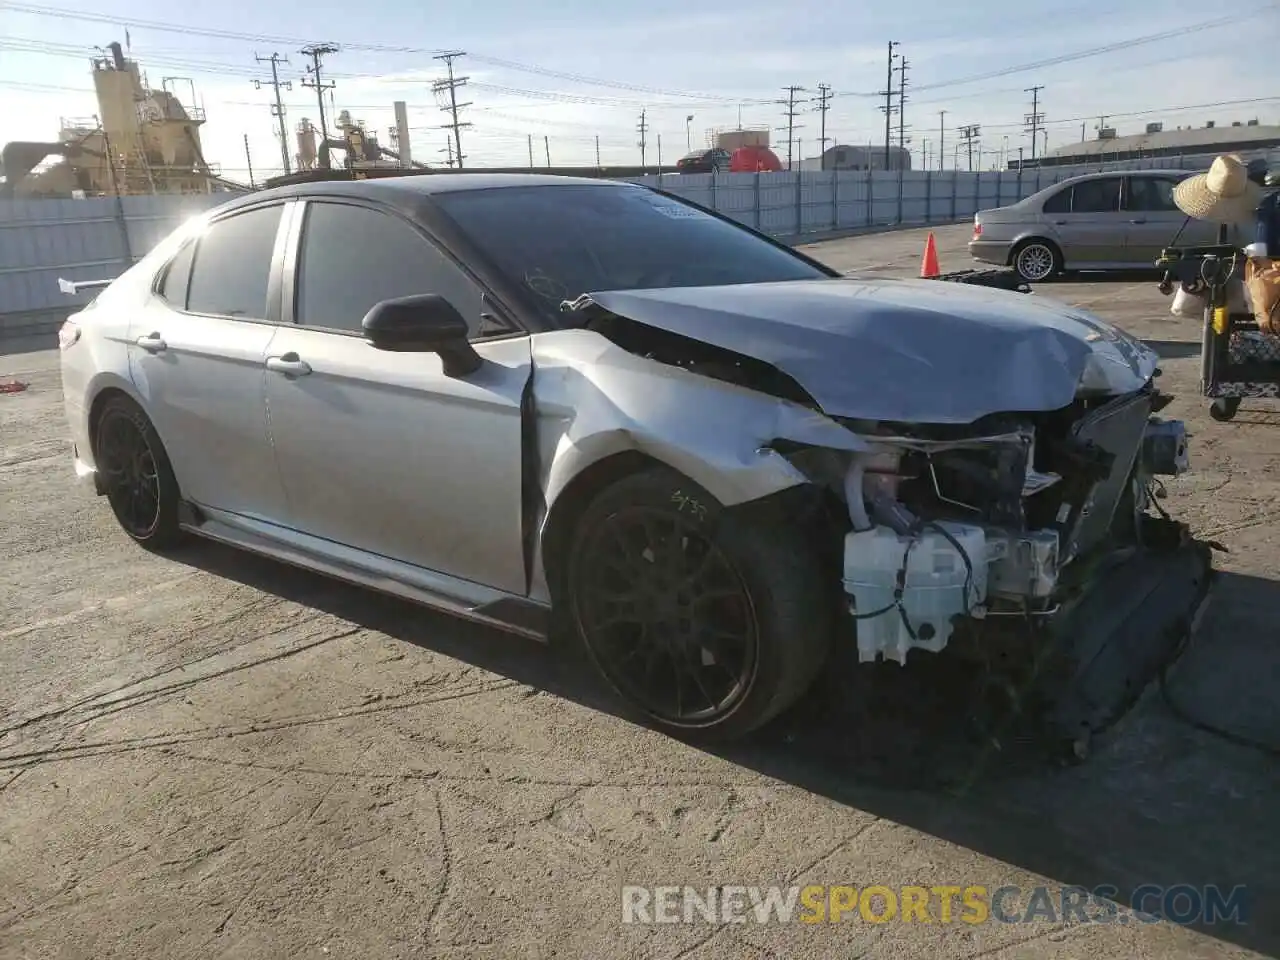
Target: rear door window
[
  {"x": 1096, "y": 196},
  {"x": 232, "y": 268}
]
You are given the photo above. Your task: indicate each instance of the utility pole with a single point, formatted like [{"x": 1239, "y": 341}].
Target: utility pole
[
  {"x": 546, "y": 145},
  {"x": 942, "y": 137},
  {"x": 688, "y": 134},
  {"x": 277, "y": 108},
  {"x": 902, "y": 104},
  {"x": 1035, "y": 118},
  {"x": 316, "y": 52},
  {"x": 887, "y": 93},
  {"x": 531, "y": 151},
  {"x": 790, "y": 114},
  {"x": 452, "y": 84},
  {"x": 642, "y": 128},
  {"x": 598, "y": 167},
  {"x": 248, "y": 158},
  {"x": 969, "y": 136},
  {"x": 823, "y": 100},
  {"x": 448, "y": 151}
]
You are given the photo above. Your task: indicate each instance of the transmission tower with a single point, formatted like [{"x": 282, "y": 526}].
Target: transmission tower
[
  {"x": 452, "y": 84},
  {"x": 887, "y": 93},
  {"x": 277, "y": 108},
  {"x": 790, "y": 113},
  {"x": 969, "y": 136},
  {"x": 823, "y": 101},
  {"x": 642, "y": 128},
  {"x": 1034, "y": 119},
  {"x": 313, "y": 80}
]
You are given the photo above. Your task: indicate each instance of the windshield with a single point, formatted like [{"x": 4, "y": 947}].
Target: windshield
[{"x": 564, "y": 241}]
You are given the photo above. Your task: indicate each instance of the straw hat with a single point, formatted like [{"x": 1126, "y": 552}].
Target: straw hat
[{"x": 1224, "y": 194}]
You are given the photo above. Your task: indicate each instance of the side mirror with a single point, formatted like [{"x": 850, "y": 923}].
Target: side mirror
[{"x": 424, "y": 323}]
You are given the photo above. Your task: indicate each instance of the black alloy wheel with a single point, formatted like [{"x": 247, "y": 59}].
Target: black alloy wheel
[
  {"x": 705, "y": 620},
  {"x": 670, "y": 621},
  {"x": 136, "y": 476}
]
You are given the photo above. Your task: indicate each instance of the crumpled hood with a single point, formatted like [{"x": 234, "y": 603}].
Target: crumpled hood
[{"x": 916, "y": 351}]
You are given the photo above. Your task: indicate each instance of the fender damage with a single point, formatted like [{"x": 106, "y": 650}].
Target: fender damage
[{"x": 996, "y": 456}]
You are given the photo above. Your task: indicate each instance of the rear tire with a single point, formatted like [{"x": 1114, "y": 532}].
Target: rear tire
[
  {"x": 136, "y": 475},
  {"x": 1036, "y": 260},
  {"x": 704, "y": 620}
]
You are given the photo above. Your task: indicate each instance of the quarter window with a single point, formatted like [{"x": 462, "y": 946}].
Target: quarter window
[
  {"x": 232, "y": 267},
  {"x": 354, "y": 257},
  {"x": 1096, "y": 196},
  {"x": 174, "y": 286},
  {"x": 1060, "y": 202}
]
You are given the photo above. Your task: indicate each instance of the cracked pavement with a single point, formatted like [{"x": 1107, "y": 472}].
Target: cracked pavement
[{"x": 215, "y": 755}]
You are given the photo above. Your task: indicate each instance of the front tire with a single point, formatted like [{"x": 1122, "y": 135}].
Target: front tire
[
  {"x": 1037, "y": 260},
  {"x": 136, "y": 474},
  {"x": 703, "y": 620}
]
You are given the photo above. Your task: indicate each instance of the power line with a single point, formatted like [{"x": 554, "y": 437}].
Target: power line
[
  {"x": 823, "y": 100},
  {"x": 159, "y": 26},
  {"x": 451, "y": 84},
  {"x": 1035, "y": 118},
  {"x": 1091, "y": 52},
  {"x": 316, "y": 52},
  {"x": 277, "y": 108},
  {"x": 790, "y": 115}
]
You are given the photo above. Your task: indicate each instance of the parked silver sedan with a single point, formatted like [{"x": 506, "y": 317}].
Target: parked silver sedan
[
  {"x": 1098, "y": 221},
  {"x": 543, "y": 402}
]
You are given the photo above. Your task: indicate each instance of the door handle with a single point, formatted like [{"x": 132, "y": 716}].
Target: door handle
[
  {"x": 291, "y": 365},
  {"x": 1059, "y": 223},
  {"x": 152, "y": 343},
  {"x": 1137, "y": 221}
]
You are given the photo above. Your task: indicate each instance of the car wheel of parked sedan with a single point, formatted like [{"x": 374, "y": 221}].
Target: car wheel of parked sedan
[
  {"x": 136, "y": 475},
  {"x": 703, "y": 619},
  {"x": 1037, "y": 260}
]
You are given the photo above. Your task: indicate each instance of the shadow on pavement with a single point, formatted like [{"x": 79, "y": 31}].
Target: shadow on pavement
[
  {"x": 1159, "y": 802},
  {"x": 1174, "y": 349}
]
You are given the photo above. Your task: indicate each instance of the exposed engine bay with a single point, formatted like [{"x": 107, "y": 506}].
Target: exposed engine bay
[{"x": 990, "y": 523}]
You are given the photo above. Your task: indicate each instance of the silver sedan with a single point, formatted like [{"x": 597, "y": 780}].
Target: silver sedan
[
  {"x": 1099, "y": 221},
  {"x": 550, "y": 404}
]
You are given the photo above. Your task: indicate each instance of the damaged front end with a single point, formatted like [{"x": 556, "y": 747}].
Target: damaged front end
[{"x": 1033, "y": 542}]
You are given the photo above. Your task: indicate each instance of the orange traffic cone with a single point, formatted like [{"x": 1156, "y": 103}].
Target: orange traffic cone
[{"x": 929, "y": 265}]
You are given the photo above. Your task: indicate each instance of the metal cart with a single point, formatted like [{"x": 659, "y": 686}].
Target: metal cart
[{"x": 1237, "y": 360}]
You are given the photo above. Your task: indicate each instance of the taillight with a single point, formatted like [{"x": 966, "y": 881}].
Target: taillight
[
  {"x": 977, "y": 228},
  {"x": 68, "y": 334}
]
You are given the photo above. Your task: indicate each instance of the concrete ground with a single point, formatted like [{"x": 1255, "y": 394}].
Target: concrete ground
[{"x": 214, "y": 755}]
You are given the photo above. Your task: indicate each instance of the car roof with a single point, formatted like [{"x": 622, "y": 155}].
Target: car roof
[
  {"x": 402, "y": 190},
  {"x": 1121, "y": 173}
]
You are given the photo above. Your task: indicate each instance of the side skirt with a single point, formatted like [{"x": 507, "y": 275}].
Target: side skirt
[{"x": 461, "y": 598}]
